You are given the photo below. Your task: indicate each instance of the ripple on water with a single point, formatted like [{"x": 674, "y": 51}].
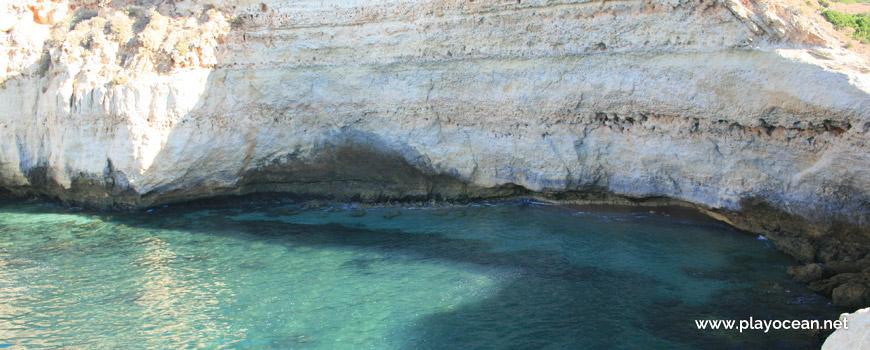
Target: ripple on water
[{"x": 519, "y": 275}]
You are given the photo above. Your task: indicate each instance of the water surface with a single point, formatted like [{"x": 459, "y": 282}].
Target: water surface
[{"x": 518, "y": 275}]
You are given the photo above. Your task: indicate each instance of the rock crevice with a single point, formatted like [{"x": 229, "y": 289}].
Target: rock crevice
[{"x": 747, "y": 110}]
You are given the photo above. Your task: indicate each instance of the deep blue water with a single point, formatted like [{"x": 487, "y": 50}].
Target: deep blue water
[{"x": 519, "y": 275}]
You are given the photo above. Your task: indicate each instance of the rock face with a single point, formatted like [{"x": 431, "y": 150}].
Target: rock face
[
  {"x": 808, "y": 273},
  {"x": 745, "y": 109},
  {"x": 856, "y": 337},
  {"x": 847, "y": 289}
]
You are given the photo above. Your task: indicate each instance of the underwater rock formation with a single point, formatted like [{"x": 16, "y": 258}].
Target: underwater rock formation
[{"x": 748, "y": 110}]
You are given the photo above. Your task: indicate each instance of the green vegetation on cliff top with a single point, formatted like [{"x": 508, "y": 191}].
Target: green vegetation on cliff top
[{"x": 859, "y": 22}]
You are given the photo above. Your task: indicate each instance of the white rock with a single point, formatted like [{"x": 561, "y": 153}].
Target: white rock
[
  {"x": 7, "y": 22},
  {"x": 857, "y": 336},
  {"x": 641, "y": 99}
]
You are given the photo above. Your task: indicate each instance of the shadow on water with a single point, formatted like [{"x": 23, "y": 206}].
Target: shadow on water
[
  {"x": 554, "y": 303},
  {"x": 551, "y": 303}
]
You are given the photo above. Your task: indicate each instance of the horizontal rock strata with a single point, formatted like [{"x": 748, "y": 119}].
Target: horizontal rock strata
[{"x": 744, "y": 109}]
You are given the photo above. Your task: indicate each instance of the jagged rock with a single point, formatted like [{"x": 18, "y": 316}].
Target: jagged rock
[
  {"x": 806, "y": 273},
  {"x": 743, "y": 108},
  {"x": 847, "y": 289},
  {"x": 852, "y": 294}
]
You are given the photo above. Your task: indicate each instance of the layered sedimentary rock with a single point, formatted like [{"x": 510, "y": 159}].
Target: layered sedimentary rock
[{"x": 746, "y": 109}]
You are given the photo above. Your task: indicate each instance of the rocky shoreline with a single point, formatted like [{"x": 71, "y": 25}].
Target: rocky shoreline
[
  {"x": 749, "y": 111},
  {"x": 834, "y": 263}
]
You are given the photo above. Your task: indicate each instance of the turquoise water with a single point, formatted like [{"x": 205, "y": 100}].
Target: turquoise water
[{"x": 519, "y": 275}]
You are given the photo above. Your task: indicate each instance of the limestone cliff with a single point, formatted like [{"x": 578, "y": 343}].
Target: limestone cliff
[
  {"x": 855, "y": 336},
  {"x": 749, "y": 110}
]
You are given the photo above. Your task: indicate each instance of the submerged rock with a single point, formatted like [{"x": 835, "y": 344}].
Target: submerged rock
[{"x": 752, "y": 112}]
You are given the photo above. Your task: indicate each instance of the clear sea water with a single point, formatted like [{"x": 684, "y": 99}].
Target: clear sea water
[{"x": 516, "y": 275}]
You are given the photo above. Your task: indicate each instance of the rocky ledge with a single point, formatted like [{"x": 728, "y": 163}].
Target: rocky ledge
[{"x": 749, "y": 110}]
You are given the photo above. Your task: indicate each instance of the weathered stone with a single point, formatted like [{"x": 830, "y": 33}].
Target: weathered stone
[
  {"x": 855, "y": 337},
  {"x": 852, "y": 294},
  {"x": 806, "y": 273},
  {"x": 746, "y": 109},
  {"x": 846, "y": 289}
]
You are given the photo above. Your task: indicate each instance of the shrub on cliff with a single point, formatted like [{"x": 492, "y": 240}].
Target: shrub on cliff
[{"x": 859, "y": 22}]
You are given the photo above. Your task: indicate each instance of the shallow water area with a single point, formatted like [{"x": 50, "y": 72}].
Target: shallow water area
[{"x": 267, "y": 275}]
